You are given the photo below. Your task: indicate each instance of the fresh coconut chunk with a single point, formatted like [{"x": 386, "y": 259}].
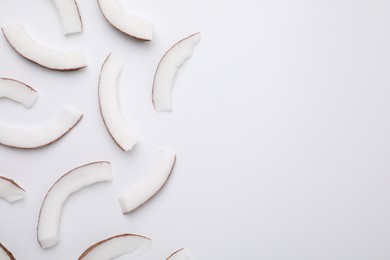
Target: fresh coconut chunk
[
  {"x": 71, "y": 182},
  {"x": 46, "y": 134},
  {"x": 47, "y": 57},
  {"x": 120, "y": 131},
  {"x": 116, "y": 246},
  {"x": 131, "y": 25},
  {"x": 18, "y": 92},
  {"x": 69, "y": 16},
  {"x": 180, "y": 254},
  {"x": 144, "y": 190},
  {"x": 10, "y": 190},
  {"x": 5, "y": 254},
  {"x": 166, "y": 71}
]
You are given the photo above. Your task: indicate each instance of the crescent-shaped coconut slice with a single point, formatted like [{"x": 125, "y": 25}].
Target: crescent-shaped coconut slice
[
  {"x": 144, "y": 190},
  {"x": 47, "y": 57},
  {"x": 123, "y": 135},
  {"x": 69, "y": 16},
  {"x": 10, "y": 190},
  {"x": 5, "y": 254},
  {"x": 131, "y": 25},
  {"x": 180, "y": 254},
  {"x": 116, "y": 246},
  {"x": 166, "y": 71},
  {"x": 73, "y": 181},
  {"x": 28, "y": 138},
  {"x": 18, "y": 92}
]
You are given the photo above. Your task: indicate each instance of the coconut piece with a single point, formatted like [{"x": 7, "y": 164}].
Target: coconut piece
[
  {"x": 10, "y": 190},
  {"x": 166, "y": 71},
  {"x": 69, "y": 16},
  {"x": 18, "y": 92},
  {"x": 180, "y": 254},
  {"x": 47, "y": 57},
  {"x": 144, "y": 190},
  {"x": 28, "y": 138},
  {"x": 131, "y": 25},
  {"x": 116, "y": 246},
  {"x": 71, "y": 182},
  {"x": 122, "y": 134},
  {"x": 5, "y": 254}
]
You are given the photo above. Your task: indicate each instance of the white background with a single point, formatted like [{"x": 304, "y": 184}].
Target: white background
[{"x": 281, "y": 123}]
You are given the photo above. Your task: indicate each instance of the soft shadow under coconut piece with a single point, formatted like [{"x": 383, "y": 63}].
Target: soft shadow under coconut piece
[
  {"x": 145, "y": 189},
  {"x": 71, "y": 182},
  {"x": 28, "y": 138},
  {"x": 131, "y": 25},
  {"x": 18, "y": 91},
  {"x": 47, "y": 57},
  {"x": 10, "y": 190},
  {"x": 116, "y": 246},
  {"x": 69, "y": 14},
  {"x": 166, "y": 71}
]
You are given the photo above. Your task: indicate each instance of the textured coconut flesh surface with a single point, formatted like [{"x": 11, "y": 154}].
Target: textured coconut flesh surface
[
  {"x": 43, "y": 135},
  {"x": 166, "y": 71},
  {"x": 142, "y": 191},
  {"x": 4, "y": 255},
  {"x": 18, "y": 92},
  {"x": 117, "y": 246},
  {"x": 10, "y": 191},
  {"x": 119, "y": 129},
  {"x": 180, "y": 254},
  {"x": 69, "y": 16},
  {"x": 73, "y": 181},
  {"x": 47, "y": 57},
  {"x": 129, "y": 24}
]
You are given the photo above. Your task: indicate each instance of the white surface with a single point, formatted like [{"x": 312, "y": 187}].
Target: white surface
[{"x": 286, "y": 158}]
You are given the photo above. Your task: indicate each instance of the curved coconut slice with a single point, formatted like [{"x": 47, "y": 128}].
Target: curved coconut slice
[
  {"x": 69, "y": 16},
  {"x": 180, "y": 254},
  {"x": 10, "y": 190},
  {"x": 5, "y": 254},
  {"x": 131, "y": 25},
  {"x": 166, "y": 71},
  {"x": 18, "y": 92},
  {"x": 116, "y": 246},
  {"x": 123, "y": 135},
  {"x": 75, "y": 180},
  {"x": 148, "y": 187},
  {"x": 49, "y": 58},
  {"x": 28, "y": 138}
]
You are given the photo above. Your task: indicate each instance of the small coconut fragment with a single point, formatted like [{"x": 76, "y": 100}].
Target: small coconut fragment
[
  {"x": 116, "y": 246},
  {"x": 121, "y": 132},
  {"x": 10, "y": 190},
  {"x": 180, "y": 254},
  {"x": 131, "y": 25},
  {"x": 18, "y": 92},
  {"x": 166, "y": 71},
  {"x": 71, "y": 182},
  {"x": 28, "y": 138},
  {"x": 47, "y": 57},
  {"x": 69, "y": 16},
  {"x": 5, "y": 254},
  {"x": 144, "y": 190}
]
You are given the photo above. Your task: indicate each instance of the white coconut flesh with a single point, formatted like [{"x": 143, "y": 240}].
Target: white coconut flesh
[
  {"x": 5, "y": 254},
  {"x": 116, "y": 246},
  {"x": 27, "y": 138},
  {"x": 47, "y": 57},
  {"x": 131, "y": 25},
  {"x": 69, "y": 16},
  {"x": 73, "y": 181},
  {"x": 122, "y": 133},
  {"x": 145, "y": 189},
  {"x": 180, "y": 254},
  {"x": 18, "y": 92},
  {"x": 166, "y": 71},
  {"x": 10, "y": 190}
]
